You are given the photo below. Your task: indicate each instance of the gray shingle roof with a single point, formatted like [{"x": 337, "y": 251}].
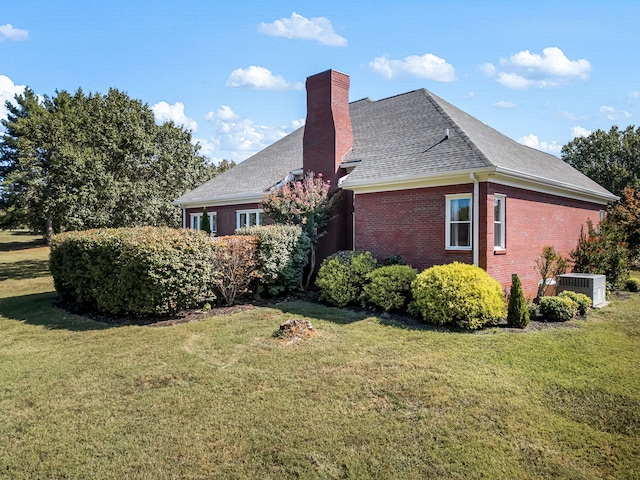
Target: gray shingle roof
[{"x": 403, "y": 137}]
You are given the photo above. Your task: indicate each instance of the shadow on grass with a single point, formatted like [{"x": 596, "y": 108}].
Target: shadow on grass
[
  {"x": 38, "y": 309},
  {"x": 24, "y": 269},
  {"x": 21, "y": 243},
  {"x": 345, "y": 316}
]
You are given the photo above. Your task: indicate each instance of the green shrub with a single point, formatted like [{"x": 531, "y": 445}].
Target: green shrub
[
  {"x": 632, "y": 285},
  {"x": 533, "y": 311},
  {"x": 396, "y": 259},
  {"x": 133, "y": 271},
  {"x": 342, "y": 277},
  {"x": 282, "y": 254},
  {"x": 517, "y": 310},
  {"x": 389, "y": 287},
  {"x": 582, "y": 301},
  {"x": 458, "y": 294},
  {"x": 557, "y": 309}
]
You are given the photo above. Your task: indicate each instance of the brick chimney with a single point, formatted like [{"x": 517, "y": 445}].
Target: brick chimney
[{"x": 327, "y": 133}]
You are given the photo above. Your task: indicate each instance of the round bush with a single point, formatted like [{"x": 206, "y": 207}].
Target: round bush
[
  {"x": 582, "y": 301},
  {"x": 343, "y": 275},
  {"x": 632, "y": 285},
  {"x": 389, "y": 287},
  {"x": 557, "y": 309},
  {"x": 458, "y": 294}
]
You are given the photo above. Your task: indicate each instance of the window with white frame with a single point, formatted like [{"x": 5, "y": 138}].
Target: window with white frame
[
  {"x": 195, "y": 222},
  {"x": 248, "y": 218},
  {"x": 499, "y": 222},
  {"x": 458, "y": 216}
]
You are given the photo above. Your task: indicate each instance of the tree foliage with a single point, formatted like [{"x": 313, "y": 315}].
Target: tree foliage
[
  {"x": 308, "y": 202},
  {"x": 612, "y": 158},
  {"x": 77, "y": 161},
  {"x": 624, "y": 216}
]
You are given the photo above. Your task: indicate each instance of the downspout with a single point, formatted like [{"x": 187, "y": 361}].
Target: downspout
[
  {"x": 476, "y": 219},
  {"x": 184, "y": 217}
]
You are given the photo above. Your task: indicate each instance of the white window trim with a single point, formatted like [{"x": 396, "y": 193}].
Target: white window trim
[
  {"x": 503, "y": 223},
  {"x": 257, "y": 211},
  {"x": 448, "y": 199},
  {"x": 212, "y": 216}
]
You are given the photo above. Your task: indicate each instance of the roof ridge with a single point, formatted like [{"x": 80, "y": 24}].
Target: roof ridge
[{"x": 434, "y": 100}]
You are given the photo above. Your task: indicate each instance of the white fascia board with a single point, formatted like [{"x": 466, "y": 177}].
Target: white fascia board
[
  {"x": 220, "y": 201},
  {"x": 512, "y": 178},
  {"x": 497, "y": 175},
  {"x": 410, "y": 182}
]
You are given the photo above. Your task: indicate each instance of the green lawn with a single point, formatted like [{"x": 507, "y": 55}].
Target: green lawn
[{"x": 365, "y": 398}]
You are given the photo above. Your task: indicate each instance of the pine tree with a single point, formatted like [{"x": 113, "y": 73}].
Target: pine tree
[{"x": 517, "y": 312}]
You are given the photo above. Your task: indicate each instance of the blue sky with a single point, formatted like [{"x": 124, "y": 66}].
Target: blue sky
[{"x": 540, "y": 72}]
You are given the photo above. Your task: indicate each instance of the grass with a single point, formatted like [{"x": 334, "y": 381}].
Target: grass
[{"x": 365, "y": 398}]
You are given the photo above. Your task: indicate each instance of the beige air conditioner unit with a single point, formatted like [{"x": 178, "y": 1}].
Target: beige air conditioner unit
[{"x": 592, "y": 285}]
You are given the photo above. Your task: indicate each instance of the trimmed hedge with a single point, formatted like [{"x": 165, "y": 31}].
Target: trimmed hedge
[
  {"x": 342, "y": 277},
  {"x": 133, "y": 271},
  {"x": 282, "y": 254},
  {"x": 458, "y": 294},
  {"x": 389, "y": 287}
]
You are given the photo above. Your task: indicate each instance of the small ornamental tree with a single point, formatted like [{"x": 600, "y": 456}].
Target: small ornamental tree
[
  {"x": 517, "y": 311},
  {"x": 205, "y": 225},
  {"x": 309, "y": 203},
  {"x": 550, "y": 265}
]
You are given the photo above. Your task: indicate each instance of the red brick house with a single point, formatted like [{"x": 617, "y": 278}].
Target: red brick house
[{"x": 420, "y": 178}]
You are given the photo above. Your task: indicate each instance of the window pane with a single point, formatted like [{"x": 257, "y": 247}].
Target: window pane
[
  {"x": 252, "y": 219},
  {"x": 195, "y": 222},
  {"x": 243, "y": 220},
  {"x": 497, "y": 214},
  {"x": 213, "y": 220},
  {"x": 460, "y": 209},
  {"x": 460, "y": 235},
  {"x": 497, "y": 235}
]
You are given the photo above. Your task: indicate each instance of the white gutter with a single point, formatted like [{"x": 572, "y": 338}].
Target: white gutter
[{"x": 476, "y": 219}]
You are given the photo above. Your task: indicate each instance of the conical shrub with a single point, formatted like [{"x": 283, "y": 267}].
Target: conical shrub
[{"x": 517, "y": 311}]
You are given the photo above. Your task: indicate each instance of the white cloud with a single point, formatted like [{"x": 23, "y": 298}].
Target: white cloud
[
  {"x": 613, "y": 113},
  {"x": 426, "y": 66},
  {"x": 260, "y": 78},
  {"x": 504, "y": 104},
  {"x": 533, "y": 141},
  {"x": 578, "y": 131},
  {"x": 489, "y": 69},
  {"x": 237, "y": 138},
  {"x": 8, "y": 32},
  {"x": 531, "y": 70},
  {"x": 552, "y": 62},
  {"x": 470, "y": 95},
  {"x": 572, "y": 116},
  {"x": 8, "y": 90},
  {"x": 297, "y": 26},
  {"x": 633, "y": 96},
  {"x": 163, "y": 112}
]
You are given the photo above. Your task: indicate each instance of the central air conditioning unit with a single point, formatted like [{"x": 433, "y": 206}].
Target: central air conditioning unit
[{"x": 592, "y": 285}]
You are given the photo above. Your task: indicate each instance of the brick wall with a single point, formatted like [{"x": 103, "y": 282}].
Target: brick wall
[
  {"x": 407, "y": 222},
  {"x": 534, "y": 220},
  {"x": 412, "y": 223}
]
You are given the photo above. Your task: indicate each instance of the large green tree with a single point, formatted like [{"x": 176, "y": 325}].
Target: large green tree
[
  {"x": 76, "y": 161},
  {"x": 610, "y": 158}
]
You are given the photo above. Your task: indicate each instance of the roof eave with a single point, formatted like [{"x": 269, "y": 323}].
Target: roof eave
[{"x": 253, "y": 197}]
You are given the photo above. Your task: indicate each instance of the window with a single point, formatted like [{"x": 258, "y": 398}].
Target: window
[
  {"x": 196, "y": 221},
  {"x": 248, "y": 218},
  {"x": 499, "y": 222},
  {"x": 458, "y": 214}
]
